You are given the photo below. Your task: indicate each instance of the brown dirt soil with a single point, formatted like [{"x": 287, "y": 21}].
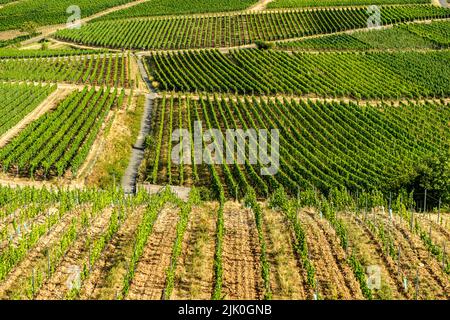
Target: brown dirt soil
[
  {"x": 334, "y": 277},
  {"x": 242, "y": 277},
  {"x": 369, "y": 250},
  {"x": 106, "y": 279},
  {"x": 288, "y": 278},
  {"x": 433, "y": 284},
  {"x": 78, "y": 254},
  {"x": 150, "y": 276},
  {"x": 17, "y": 277},
  {"x": 195, "y": 273}
]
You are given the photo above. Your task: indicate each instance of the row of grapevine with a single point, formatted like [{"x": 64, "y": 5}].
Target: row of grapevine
[
  {"x": 22, "y": 240},
  {"x": 432, "y": 35},
  {"x": 227, "y": 30},
  {"x": 74, "y": 212},
  {"x": 321, "y": 144},
  {"x": 324, "y": 3},
  {"x": 251, "y": 202},
  {"x": 18, "y": 100},
  {"x": 95, "y": 69},
  {"x": 155, "y": 204},
  {"x": 61, "y": 139},
  {"x": 279, "y": 201},
  {"x": 438, "y": 32},
  {"x": 367, "y": 75},
  {"x": 327, "y": 42}
]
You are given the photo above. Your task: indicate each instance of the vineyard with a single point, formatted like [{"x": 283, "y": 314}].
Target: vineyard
[
  {"x": 169, "y": 7},
  {"x": 323, "y": 3},
  {"x": 225, "y": 150},
  {"x": 19, "y": 100},
  {"x": 228, "y": 30},
  {"x": 325, "y": 145},
  {"x": 95, "y": 69},
  {"x": 39, "y": 53},
  {"x": 251, "y": 71},
  {"x": 410, "y": 36},
  {"x": 43, "y": 12},
  {"x": 61, "y": 139},
  {"x": 66, "y": 244}
]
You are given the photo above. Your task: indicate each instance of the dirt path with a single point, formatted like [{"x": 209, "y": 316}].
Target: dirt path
[
  {"x": 242, "y": 277},
  {"x": 49, "y": 103},
  {"x": 261, "y": 5},
  {"x": 195, "y": 273},
  {"x": 17, "y": 278},
  {"x": 288, "y": 278},
  {"x": 150, "y": 276},
  {"x": 106, "y": 279},
  {"x": 334, "y": 277},
  {"x": 77, "y": 256}
]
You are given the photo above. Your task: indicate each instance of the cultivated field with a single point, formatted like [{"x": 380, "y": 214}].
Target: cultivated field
[{"x": 236, "y": 150}]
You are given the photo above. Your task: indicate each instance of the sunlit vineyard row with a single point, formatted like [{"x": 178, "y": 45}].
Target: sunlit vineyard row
[
  {"x": 324, "y": 3},
  {"x": 321, "y": 145},
  {"x": 7, "y": 53},
  {"x": 236, "y": 29},
  {"x": 409, "y": 36},
  {"x": 171, "y": 7},
  {"x": 46, "y": 234},
  {"x": 16, "y": 101}
]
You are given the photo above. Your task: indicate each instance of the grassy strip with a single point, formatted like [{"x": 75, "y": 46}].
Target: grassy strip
[{"x": 145, "y": 229}]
